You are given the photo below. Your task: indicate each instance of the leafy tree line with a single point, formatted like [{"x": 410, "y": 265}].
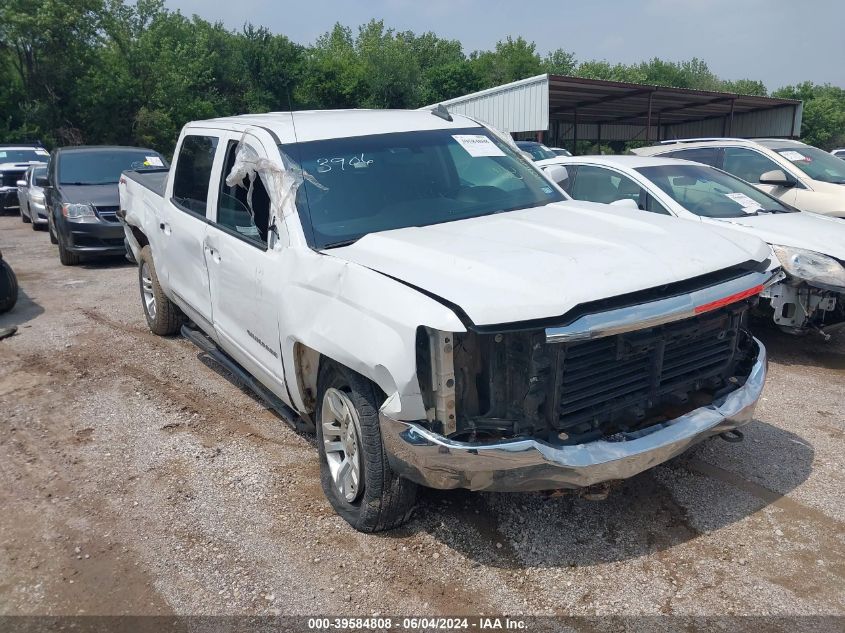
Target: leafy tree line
[{"x": 105, "y": 71}]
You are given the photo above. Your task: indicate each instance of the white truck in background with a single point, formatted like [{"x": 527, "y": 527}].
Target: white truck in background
[{"x": 410, "y": 286}]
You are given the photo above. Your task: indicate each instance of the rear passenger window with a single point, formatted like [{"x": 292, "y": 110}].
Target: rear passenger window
[
  {"x": 706, "y": 155},
  {"x": 193, "y": 173},
  {"x": 244, "y": 211}
]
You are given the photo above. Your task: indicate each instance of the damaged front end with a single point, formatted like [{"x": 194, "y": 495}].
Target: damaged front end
[
  {"x": 567, "y": 407},
  {"x": 812, "y": 294}
]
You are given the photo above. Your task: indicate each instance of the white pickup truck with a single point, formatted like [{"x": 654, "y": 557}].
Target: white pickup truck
[{"x": 413, "y": 287}]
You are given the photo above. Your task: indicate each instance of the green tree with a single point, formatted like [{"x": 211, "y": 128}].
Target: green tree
[{"x": 823, "y": 121}]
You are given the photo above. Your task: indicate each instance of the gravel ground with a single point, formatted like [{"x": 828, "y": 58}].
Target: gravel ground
[{"x": 135, "y": 478}]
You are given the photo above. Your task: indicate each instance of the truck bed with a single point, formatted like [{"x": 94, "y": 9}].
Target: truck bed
[{"x": 153, "y": 179}]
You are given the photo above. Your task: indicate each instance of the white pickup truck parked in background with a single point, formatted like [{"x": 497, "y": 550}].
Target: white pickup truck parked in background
[{"x": 443, "y": 315}]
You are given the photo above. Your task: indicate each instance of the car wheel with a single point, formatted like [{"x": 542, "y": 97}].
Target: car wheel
[
  {"x": 67, "y": 257},
  {"x": 25, "y": 219},
  {"x": 8, "y": 287},
  {"x": 163, "y": 316},
  {"x": 354, "y": 472}
]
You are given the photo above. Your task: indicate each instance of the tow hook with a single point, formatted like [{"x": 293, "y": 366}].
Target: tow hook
[{"x": 734, "y": 436}]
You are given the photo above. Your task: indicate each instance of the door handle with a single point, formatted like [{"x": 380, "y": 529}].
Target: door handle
[{"x": 210, "y": 251}]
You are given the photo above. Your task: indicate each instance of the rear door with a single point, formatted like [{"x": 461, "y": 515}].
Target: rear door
[
  {"x": 243, "y": 268},
  {"x": 183, "y": 226}
]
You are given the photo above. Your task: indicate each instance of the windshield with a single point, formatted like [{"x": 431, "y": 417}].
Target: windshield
[
  {"x": 538, "y": 151},
  {"x": 376, "y": 183},
  {"x": 103, "y": 167},
  {"x": 23, "y": 155},
  {"x": 709, "y": 192},
  {"x": 817, "y": 164}
]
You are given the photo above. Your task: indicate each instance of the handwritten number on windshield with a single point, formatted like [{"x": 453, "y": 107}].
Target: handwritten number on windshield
[{"x": 325, "y": 165}]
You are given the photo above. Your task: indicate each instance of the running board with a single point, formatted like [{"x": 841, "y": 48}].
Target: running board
[{"x": 209, "y": 347}]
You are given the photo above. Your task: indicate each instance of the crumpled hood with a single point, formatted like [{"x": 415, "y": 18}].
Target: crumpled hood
[
  {"x": 98, "y": 195},
  {"x": 541, "y": 262},
  {"x": 806, "y": 230}
]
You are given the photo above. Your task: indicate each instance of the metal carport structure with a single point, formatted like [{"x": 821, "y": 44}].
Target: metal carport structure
[{"x": 563, "y": 110}]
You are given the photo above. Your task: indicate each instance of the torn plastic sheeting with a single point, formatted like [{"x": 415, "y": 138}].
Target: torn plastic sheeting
[{"x": 280, "y": 180}]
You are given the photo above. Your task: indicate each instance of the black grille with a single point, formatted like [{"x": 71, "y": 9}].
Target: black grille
[
  {"x": 517, "y": 384},
  {"x": 108, "y": 213},
  {"x": 629, "y": 375},
  {"x": 11, "y": 177}
]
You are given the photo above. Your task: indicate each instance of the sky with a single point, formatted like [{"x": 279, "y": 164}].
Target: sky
[{"x": 779, "y": 42}]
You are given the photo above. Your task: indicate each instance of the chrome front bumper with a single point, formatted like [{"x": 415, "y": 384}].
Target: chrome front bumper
[{"x": 522, "y": 465}]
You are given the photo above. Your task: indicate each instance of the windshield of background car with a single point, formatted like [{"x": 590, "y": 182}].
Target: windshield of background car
[
  {"x": 537, "y": 151},
  {"x": 817, "y": 164},
  {"x": 103, "y": 167},
  {"x": 23, "y": 155},
  {"x": 709, "y": 192},
  {"x": 389, "y": 181}
]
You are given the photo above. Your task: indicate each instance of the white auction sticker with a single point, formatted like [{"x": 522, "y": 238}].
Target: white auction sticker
[
  {"x": 153, "y": 161},
  {"x": 478, "y": 145},
  {"x": 793, "y": 155},
  {"x": 748, "y": 205}
]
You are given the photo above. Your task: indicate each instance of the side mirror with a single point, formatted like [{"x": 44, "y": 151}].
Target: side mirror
[
  {"x": 21, "y": 183},
  {"x": 556, "y": 173},
  {"x": 777, "y": 178},
  {"x": 625, "y": 202}
]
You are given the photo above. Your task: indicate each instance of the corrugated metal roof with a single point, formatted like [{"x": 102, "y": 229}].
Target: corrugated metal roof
[
  {"x": 624, "y": 110},
  {"x": 520, "y": 106}
]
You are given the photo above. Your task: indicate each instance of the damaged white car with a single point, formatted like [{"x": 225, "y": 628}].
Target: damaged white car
[
  {"x": 411, "y": 286},
  {"x": 811, "y": 247}
]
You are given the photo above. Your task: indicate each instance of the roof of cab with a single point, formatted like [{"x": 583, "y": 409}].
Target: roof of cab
[{"x": 315, "y": 125}]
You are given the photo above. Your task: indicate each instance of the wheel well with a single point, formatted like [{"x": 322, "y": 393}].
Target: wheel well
[
  {"x": 139, "y": 236},
  {"x": 308, "y": 361},
  {"x": 307, "y": 367}
]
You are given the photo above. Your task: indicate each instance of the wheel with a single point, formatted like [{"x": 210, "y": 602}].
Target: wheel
[
  {"x": 8, "y": 287},
  {"x": 163, "y": 316},
  {"x": 53, "y": 239},
  {"x": 37, "y": 227},
  {"x": 354, "y": 472},
  {"x": 25, "y": 219},
  {"x": 67, "y": 257}
]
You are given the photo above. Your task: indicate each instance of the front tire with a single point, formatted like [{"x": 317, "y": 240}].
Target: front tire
[
  {"x": 354, "y": 472},
  {"x": 8, "y": 287},
  {"x": 53, "y": 238},
  {"x": 163, "y": 316},
  {"x": 68, "y": 258},
  {"x": 25, "y": 219}
]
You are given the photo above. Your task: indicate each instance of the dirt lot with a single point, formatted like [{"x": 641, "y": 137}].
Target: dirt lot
[{"x": 137, "y": 479}]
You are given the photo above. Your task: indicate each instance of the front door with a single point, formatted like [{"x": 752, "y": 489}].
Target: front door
[{"x": 245, "y": 291}]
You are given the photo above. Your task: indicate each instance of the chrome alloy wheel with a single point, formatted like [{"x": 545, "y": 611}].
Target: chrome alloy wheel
[
  {"x": 147, "y": 291},
  {"x": 341, "y": 433}
]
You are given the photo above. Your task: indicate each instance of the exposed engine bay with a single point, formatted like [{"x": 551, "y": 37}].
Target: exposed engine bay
[
  {"x": 515, "y": 384},
  {"x": 799, "y": 306}
]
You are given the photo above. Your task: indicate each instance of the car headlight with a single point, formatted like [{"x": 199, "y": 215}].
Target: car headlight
[
  {"x": 37, "y": 198},
  {"x": 78, "y": 211},
  {"x": 811, "y": 266}
]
